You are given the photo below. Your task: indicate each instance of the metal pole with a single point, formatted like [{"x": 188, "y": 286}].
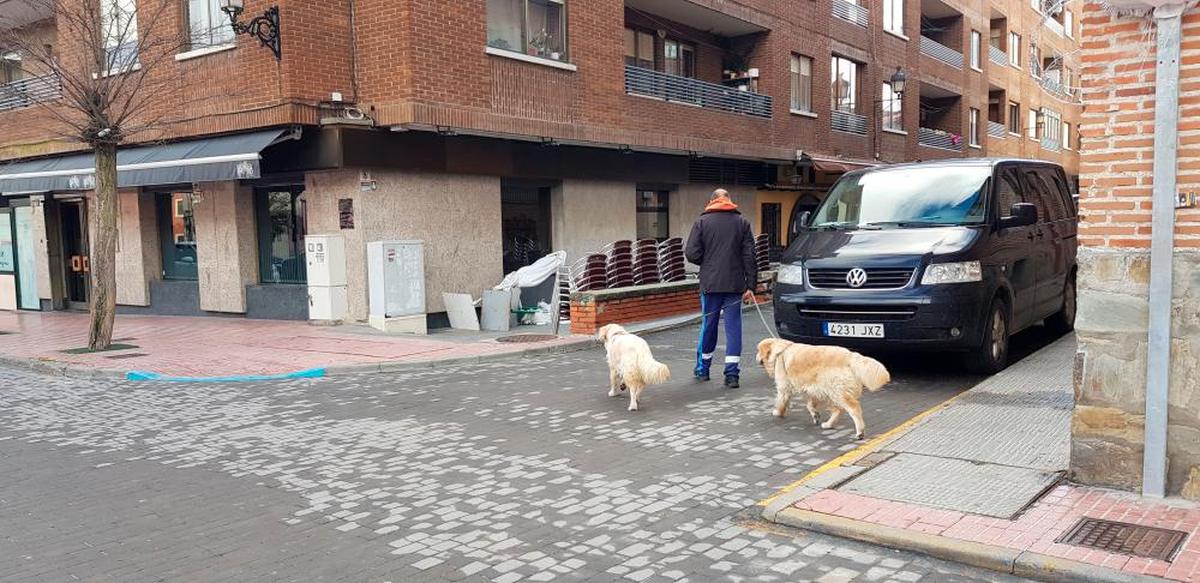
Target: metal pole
[{"x": 1166, "y": 143}]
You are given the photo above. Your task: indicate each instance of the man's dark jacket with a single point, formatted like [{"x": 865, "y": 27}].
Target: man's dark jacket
[{"x": 722, "y": 244}]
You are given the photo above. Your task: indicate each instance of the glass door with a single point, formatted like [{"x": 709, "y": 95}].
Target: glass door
[
  {"x": 27, "y": 294},
  {"x": 280, "y": 212},
  {"x": 75, "y": 253}
]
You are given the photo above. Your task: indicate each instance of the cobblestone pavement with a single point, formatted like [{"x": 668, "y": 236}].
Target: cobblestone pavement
[{"x": 510, "y": 471}]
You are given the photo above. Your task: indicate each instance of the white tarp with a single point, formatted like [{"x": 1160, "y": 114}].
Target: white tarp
[{"x": 535, "y": 274}]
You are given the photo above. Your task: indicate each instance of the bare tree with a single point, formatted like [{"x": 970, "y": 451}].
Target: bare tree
[{"x": 107, "y": 70}]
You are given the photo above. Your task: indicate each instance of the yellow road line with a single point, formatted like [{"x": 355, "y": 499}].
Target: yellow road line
[{"x": 863, "y": 450}]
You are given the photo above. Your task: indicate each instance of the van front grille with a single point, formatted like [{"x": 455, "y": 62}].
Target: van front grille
[
  {"x": 858, "y": 313},
  {"x": 877, "y": 278}
]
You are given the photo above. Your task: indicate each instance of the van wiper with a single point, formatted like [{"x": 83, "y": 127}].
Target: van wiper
[
  {"x": 843, "y": 225},
  {"x": 908, "y": 224}
]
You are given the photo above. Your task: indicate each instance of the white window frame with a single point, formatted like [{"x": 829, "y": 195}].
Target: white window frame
[
  {"x": 976, "y": 48},
  {"x": 522, "y": 52},
  {"x": 892, "y": 107},
  {"x": 1032, "y": 124},
  {"x": 120, "y": 36},
  {"x": 893, "y": 17},
  {"x": 1066, "y": 135},
  {"x": 211, "y": 28},
  {"x": 1014, "y": 49},
  {"x": 973, "y": 128},
  {"x": 1069, "y": 23},
  {"x": 801, "y": 106},
  {"x": 1013, "y": 105}
]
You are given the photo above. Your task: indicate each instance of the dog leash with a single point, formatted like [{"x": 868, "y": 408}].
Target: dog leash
[{"x": 757, "y": 308}]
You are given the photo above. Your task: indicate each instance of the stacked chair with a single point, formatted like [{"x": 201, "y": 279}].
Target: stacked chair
[
  {"x": 589, "y": 273},
  {"x": 645, "y": 262},
  {"x": 619, "y": 266},
  {"x": 762, "y": 252},
  {"x": 671, "y": 264}
]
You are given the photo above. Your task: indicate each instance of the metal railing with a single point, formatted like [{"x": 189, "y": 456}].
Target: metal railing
[
  {"x": 27, "y": 92},
  {"x": 939, "y": 139},
  {"x": 996, "y": 130},
  {"x": 941, "y": 52},
  {"x": 1052, "y": 86},
  {"x": 850, "y": 123},
  {"x": 1052, "y": 145},
  {"x": 997, "y": 55},
  {"x": 851, "y": 12},
  {"x": 684, "y": 90}
]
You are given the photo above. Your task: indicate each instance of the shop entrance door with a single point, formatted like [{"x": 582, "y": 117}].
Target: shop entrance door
[{"x": 75, "y": 253}]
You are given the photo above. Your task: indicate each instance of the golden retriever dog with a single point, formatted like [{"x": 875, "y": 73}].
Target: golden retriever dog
[
  {"x": 630, "y": 364},
  {"x": 829, "y": 377}
]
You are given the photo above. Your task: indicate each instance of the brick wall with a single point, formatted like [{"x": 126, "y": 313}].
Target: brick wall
[{"x": 592, "y": 310}]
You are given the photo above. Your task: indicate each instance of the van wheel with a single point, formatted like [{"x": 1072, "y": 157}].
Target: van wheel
[
  {"x": 1064, "y": 321},
  {"x": 992, "y": 355}
]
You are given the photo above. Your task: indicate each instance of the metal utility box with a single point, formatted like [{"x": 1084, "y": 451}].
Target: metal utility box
[
  {"x": 396, "y": 283},
  {"x": 327, "y": 303},
  {"x": 325, "y": 259}
]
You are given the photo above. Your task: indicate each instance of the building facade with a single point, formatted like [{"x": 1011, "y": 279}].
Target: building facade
[
  {"x": 498, "y": 130},
  {"x": 1117, "y": 179}
]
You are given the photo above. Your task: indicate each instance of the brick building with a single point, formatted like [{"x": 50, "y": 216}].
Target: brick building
[
  {"x": 1117, "y": 181},
  {"x": 494, "y": 130}
]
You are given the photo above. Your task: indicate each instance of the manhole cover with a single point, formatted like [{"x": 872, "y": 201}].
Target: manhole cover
[
  {"x": 524, "y": 338},
  {"x": 1124, "y": 538}
]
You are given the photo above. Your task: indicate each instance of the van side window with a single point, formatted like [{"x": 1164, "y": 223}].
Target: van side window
[
  {"x": 1064, "y": 192},
  {"x": 1008, "y": 192},
  {"x": 1041, "y": 195}
]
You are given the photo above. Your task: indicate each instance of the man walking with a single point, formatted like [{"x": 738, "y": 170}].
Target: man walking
[{"x": 722, "y": 245}]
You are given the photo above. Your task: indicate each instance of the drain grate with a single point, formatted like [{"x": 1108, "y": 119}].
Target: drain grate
[
  {"x": 1124, "y": 538},
  {"x": 525, "y": 338}
]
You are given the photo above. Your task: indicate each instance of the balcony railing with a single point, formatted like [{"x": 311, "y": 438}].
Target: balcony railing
[
  {"x": 996, "y": 130},
  {"x": 1052, "y": 145},
  {"x": 27, "y": 92},
  {"x": 997, "y": 55},
  {"x": 851, "y": 12},
  {"x": 939, "y": 139},
  {"x": 941, "y": 52},
  {"x": 687, "y": 91},
  {"x": 1052, "y": 86},
  {"x": 850, "y": 123}
]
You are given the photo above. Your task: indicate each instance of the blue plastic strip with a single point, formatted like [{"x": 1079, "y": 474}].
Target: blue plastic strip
[{"x": 312, "y": 373}]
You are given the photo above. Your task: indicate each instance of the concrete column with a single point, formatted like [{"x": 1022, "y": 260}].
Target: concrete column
[
  {"x": 47, "y": 240},
  {"x": 588, "y": 214},
  {"x": 139, "y": 260},
  {"x": 226, "y": 246}
]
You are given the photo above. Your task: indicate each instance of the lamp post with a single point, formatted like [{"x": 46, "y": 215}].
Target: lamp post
[
  {"x": 897, "y": 82},
  {"x": 265, "y": 27}
]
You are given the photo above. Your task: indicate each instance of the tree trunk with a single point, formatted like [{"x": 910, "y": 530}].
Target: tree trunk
[{"x": 102, "y": 301}]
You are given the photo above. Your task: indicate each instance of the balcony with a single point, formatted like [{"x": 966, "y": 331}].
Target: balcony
[
  {"x": 940, "y": 140},
  {"x": 1055, "y": 26},
  {"x": 1053, "y": 87},
  {"x": 1052, "y": 145},
  {"x": 941, "y": 52},
  {"x": 996, "y": 130},
  {"x": 695, "y": 93},
  {"x": 27, "y": 92},
  {"x": 848, "y": 123},
  {"x": 851, "y": 12},
  {"x": 997, "y": 56}
]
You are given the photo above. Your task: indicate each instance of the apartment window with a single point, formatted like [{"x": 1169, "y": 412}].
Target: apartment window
[
  {"x": 679, "y": 58},
  {"x": 801, "y": 83},
  {"x": 844, "y": 90},
  {"x": 1014, "y": 118},
  {"x": 1052, "y": 125},
  {"x": 976, "y": 46},
  {"x": 1033, "y": 124},
  {"x": 10, "y": 68},
  {"x": 1014, "y": 49},
  {"x": 893, "y": 109},
  {"x": 119, "y": 23},
  {"x": 639, "y": 48},
  {"x": 177, "y": 235},
  {"x": 1035, "y": 60},
  {"x": 1066, "y": 135},
  {"x": 973, "y": 127},
  {"x": 207, "y": 25},
  {"x": 653, "y": 211},
  {"x": 534, "y": 27},
  {"x": 893, "y": 16},
  {"x": 1069, "y": 23},
  {"x": 1036, "y": 5},
  {"x": 280, "y": 214}
]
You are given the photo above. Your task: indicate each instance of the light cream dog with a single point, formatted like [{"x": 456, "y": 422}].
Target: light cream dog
[
  {"x": 630, "y": 364},
  {"x": 826, "y": 376}
]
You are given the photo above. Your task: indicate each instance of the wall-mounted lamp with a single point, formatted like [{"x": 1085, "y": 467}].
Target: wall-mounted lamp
[{"x": 264, "y": 27}]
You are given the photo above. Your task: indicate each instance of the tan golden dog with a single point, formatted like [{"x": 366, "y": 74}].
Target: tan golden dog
[
  {"x": 630, "y": 364},
  {"x": 826, "y": 376}
]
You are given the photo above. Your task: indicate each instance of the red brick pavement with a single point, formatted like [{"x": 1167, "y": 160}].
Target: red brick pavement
[{"x": 181, "y": 346}]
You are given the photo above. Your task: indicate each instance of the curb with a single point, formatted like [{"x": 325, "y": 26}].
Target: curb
[
  {"x": 995, "y": 558},
  {"x": 62, "y": 369}
]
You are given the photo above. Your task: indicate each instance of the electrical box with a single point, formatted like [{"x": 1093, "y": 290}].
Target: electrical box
[
  {"x": 325, "y": 256},
  {"x": 396, "y": 282},
  {"x": 327, "y": 303}
]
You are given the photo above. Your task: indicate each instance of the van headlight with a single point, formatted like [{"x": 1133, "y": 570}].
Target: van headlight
[
  {"x": 961, "y": 272},
  {"x": 790, "y": 275}
]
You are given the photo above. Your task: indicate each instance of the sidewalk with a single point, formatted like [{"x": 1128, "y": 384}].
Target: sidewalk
[{"x": 979, "y": 480}]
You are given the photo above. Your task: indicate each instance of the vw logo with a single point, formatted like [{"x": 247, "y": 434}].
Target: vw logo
[{"x": 856, "y": 277}]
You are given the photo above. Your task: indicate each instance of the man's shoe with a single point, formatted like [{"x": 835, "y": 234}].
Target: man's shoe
[
  {"x": 731, "y": 382},
  {"x": 701, "y": 376}
]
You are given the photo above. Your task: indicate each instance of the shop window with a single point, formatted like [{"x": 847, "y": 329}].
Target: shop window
[
  {"x": 652, "y": 213},
  {"x": 177, "y": 235},
  {"x": 534, "y": 27},
  {"x": 280, "y": 213}
]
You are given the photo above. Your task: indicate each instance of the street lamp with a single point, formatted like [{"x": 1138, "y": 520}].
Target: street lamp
[
  {"x": 897, "y": 83},
  {"x": 264, "y": 27}
]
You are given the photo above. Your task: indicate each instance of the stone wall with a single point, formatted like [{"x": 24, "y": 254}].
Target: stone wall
[{"x": 1110, "y": 391}]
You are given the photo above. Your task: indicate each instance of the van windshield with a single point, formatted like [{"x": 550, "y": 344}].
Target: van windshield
[{"x": 906, "y": 197}]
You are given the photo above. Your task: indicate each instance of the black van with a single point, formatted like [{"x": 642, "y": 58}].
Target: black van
[{"x": 953, "y": 255}]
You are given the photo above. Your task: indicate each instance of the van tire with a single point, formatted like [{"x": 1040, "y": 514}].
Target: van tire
[
  {"x": 991, "y": 356},
  {"x": 1063, "y": 321}
]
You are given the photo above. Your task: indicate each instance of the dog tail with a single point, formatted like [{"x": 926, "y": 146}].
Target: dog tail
[
  {"x": 651, "y": 371},
  {"x": 870, "y": 372}
]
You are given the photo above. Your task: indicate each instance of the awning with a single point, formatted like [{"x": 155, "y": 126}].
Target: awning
[
  {"x": 835, "y": 165},
  {"x": 233, "y": 157}
]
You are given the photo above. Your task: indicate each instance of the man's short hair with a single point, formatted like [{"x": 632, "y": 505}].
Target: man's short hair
[{"x": 718, "y": 193}]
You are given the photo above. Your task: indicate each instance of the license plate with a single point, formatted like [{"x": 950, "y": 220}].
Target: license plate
[{"x": 853, "y": 330}]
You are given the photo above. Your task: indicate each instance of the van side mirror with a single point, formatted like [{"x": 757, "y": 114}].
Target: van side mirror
[
  {"x": 1022, "y": 214},
  {"x": 804, "y": 218},
  {"x": 798, "y": 225}
]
